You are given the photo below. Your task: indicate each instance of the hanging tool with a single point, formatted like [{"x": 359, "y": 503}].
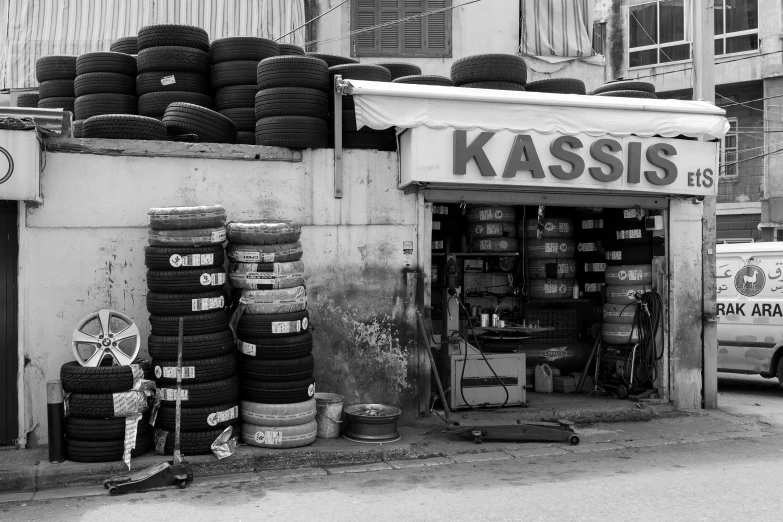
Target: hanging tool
[{"x": 174, "y": 473}]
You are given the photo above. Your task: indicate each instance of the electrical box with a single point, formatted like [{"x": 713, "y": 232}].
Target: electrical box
[
  {"x": 653, "y": 223},
  {"x": 479, "y": 385}
]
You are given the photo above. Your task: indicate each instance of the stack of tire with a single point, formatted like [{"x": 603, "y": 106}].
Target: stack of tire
[
  {"x": 551, "y": 260},
  {"x": 291, "y": 50},
  {"x": 186, "y": 280},
  {"x": 105, "y": 84},
  {"x": 27, "y": 99},
  {"x": 491, "y": 229},
  {"x": 291, "y": 106},
  {"x": 590, "y": 253},
  {"x": 125, "y": 45},
  {"x": 55, "y": 75},
  {"x": 353, "y": 137},
  {"x": 234, "y": 63},
  {"x": 173, "y": 66},
  {"x": 627, "y": 89},
  {"x": 557, "y": 86},
  {"x": 505, "y": 72},
  {"x": 275, "y": 347},
  {"x": 628, "y": 272},
  {"x": 425, "y": 79},
  {"x": 94, "y": 429}
]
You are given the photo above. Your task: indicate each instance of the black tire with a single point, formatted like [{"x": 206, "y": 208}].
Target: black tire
[
  {"x": 76, "y": 128},
  {"x": 184, "y": 304},
  {"x": 292, "y": 71},
  {"x": 425, "y": 79},
  {"x": 625, "y": 85},
  {"x": 204, "y": 370},
  {"x": 204, "y": 394},
  {"x": 291, "y": 50},
  {"x": 278, "y": 392},
  {"x": 243, "y": 117},
  {"x": 191, "y": 237},
  {"x": 97, "y": 104},
  {"x": 370, "y": 139},
  {"x": 629, "y": 94},
  {"x": 104, "y": 82},
  {"x": 119, "y": 63},
  {"x": 106, "y": 450},
  {"x": 557, "y": 86},
  {"x": 172, "y": 58},
  {"x": 263, "y": 232},
  {"x": 193, "y": 442},
  {"x": 495, "y": 86},
  {"x": 199, "y": 419},
  {"x": 27, "y": 99},
  {"x": 252, "y": 327},
  {"x": 246, "y": 138},
  {"x": 194, "y": 347},
  {"x": 332, "y": 60},
  {"x": 400, "y": 69},
  {"x": 126, "y": 44},
  {"x": 291, "y": 101},
  {"x": 236, "y": 48},
  {"x": 360, "y": 71},
  {"x": 276, "y": 348},
  {"x": 277, "y": 253},
  {"x": 102, "y": 379},
  {"x": 186, "y": 281},
  {"x": 629, "y": 255},
  {"x": 185, "y": 218},
  {"x": 295, "y": 132},
  {"x": 55, "y": 67},
  {"x": 160, "y": 81},
  {"x": 173, "y": 34},
  {"x": 489, "y": 67},
  {"x": 160, "y": 258},
  {"x": 240, "y": 72},
  {"x": 281, "y": 370},
  {"x": 154, "y": 104},
  {"x": 211, "y": 126},
  {"x": 100, "y": 429},
  {"x": 56, "y": 89},
  {"x": 66, "y": 104},
  {"x": 235, "y": 96},
  {"x": 97, "y": 405},
  {"x": 202, "y": 324},
  {"x": 124, "y": 127}
]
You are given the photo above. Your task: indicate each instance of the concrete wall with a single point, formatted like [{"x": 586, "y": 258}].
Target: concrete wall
[
  {"x": 772, "y": 203},
  {"x": 738, "y": 226},
  {"x": 84, "y": 250}
]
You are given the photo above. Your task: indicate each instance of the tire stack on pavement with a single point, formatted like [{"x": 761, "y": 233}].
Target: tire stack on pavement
[
  {"x": 126, "y": 45},
  {"x": 186, "y": 279},
  {"x": 492, "y": 229},
  {"x": 173, "y": 66},
  {"x": 551, "y": 259},
  {"x": 105, "y": 84},
  {"x": 55, "y": 75},
  {"x": 590, "y": 253},
  {"x": 557, "y": 86},
  {"x": 627, "y": 89},
  {"x": 364, "y": 138},
  {"x": 101, "y": 405},
  {"x": 234, "y": 64},
  {"x": 275, "y": 361},
  {"x": 505, "y": 72},
  {"x": 291, "y": 106}
]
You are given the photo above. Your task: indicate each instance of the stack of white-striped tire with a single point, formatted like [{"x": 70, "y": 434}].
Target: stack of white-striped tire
[
  {"x": 551, "y": 262},
  {"x": 234, "y": 63},
  {"x": 186, "y": 279},
  {"x": 105, "y": 84},
  {"x": 55, "y": 75},
  {"x": 101, "y": 408},
  {"x": 590, "y": 253},
  {"x": 492, "y": 229},
  {"x": 291, "y": 106},
  {"x": 173, "y": 66},
  {"x": 275, "y": 346}
]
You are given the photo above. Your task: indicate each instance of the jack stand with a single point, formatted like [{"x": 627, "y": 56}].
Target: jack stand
[
  {"x": 560, "y": 431},
  {"x": 175, "y": 473}
]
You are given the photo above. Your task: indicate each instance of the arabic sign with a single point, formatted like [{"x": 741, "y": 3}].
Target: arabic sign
[
  {"x": 579, "y": 163},
  {"x": 758, "y": 277},
  {"x": 19, "y": 166}
]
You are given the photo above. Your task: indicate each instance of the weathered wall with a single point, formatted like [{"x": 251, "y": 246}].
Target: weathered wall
[
  {"x": 739, "y": 226},
  {"x": 84, "y": 250},
  {"x": 772, "y": 204}
]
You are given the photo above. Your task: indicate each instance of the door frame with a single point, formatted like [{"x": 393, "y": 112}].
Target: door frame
[{"x": 9, "y": 322}]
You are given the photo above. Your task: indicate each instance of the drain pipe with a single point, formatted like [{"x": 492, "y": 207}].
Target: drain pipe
[{"x": 54, "y": 413}]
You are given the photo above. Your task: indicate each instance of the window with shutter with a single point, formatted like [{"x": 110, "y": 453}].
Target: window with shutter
[{"x": 428, "y": 35}]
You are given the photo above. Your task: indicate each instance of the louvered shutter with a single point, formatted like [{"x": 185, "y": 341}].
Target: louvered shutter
[
  {"x": 390, "y": 35},
  {"x": 365, "y": 17},
  {"x": 412, "y": 31},
  {"x": 436, "y": 36},
  {"x": 423, "y": 36}
]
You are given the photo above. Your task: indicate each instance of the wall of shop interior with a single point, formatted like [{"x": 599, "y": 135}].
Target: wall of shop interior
[{"x": 83, "y": 250}]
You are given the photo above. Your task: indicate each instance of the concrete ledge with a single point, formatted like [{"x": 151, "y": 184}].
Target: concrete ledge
[{"x": 18, "y": 479}]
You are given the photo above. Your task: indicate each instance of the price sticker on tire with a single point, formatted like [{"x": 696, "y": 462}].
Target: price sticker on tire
[
  {"x": 247, "y": 348},
  {"x": 222, "y": 416},
  {"x": 272, "y": 438},
  {"x": 206, "y": 303}
]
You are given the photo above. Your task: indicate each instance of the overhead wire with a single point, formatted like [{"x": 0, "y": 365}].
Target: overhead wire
[
  {"x": 749, "y": 159},
  {"x": 690, "y": 68}
]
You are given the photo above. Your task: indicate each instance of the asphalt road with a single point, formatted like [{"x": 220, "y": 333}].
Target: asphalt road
[{"x": 751, "y": 395}]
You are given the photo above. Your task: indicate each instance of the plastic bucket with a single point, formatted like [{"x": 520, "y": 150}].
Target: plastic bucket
[{"x": 329, "y": 412}]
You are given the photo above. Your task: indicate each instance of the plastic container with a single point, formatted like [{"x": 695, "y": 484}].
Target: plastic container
[
  {"x": 329, "y": 412},
  {"x": 544, "y": 379}
]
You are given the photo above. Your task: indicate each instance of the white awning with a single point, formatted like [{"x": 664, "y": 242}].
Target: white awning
[{"x": 382, "y": 105}]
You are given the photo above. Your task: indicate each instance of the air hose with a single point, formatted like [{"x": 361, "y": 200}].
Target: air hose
[{"x": 647, "y": 321}]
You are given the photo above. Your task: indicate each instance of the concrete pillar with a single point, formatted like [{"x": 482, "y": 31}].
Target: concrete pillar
[
  {"x": 617, "y": 40},
  {"x": 772, "y": 202}
]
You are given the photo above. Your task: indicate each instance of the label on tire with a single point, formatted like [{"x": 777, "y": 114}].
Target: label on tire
[
  {"x": 595, "y": 267},
  {"x": 254, "y": 257},
  {"x": 280, "y": 327},
  {"x": 170, "y": 372},
  {"x": 485, "y": 215},
  {"x": 437, "y": 245},
  {"x": 271, "y": 438},
  {"x": 436, "y": 225},
  {"x": 247, "y": 348},
  {"x": 551, "y": 247},
  {"x": 168, "y": 80},
  {"x": 170, "y": 394},
  {"x": 207, "y": 303},
  {"x": 629, "y": 234},
  {"x": 632, "y": 213},
  {"x": 177, "y": 260},
  {"x": 311, "y": 390},
  {"x": 550, "y": 288},
  {"x": 615, "y": 255},
  {"x": 222, "y": 416},
  {"x": 594, "y": 287},
  {"x": 635, "y": 275},
  {"x": 213, "y": 279},
  {"x": 219, "y": 236}
]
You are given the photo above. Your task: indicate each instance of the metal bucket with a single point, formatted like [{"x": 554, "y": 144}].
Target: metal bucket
[{"x": 329, "y": 412}]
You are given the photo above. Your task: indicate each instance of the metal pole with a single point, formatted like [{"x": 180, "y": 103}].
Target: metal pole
[
  {"x": 178, "y": 402},
  {"x": 55, "y": 412},
  {"x": 338, "y": 137}
]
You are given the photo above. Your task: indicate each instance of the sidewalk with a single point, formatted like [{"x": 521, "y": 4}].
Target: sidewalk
[{"x": 29, "y": 470}]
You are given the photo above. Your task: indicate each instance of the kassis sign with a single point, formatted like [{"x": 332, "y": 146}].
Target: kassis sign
[{"x": 575, "y": 163}]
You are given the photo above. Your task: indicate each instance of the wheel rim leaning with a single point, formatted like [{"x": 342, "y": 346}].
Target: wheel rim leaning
[{"x": 118, "y": 342}]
